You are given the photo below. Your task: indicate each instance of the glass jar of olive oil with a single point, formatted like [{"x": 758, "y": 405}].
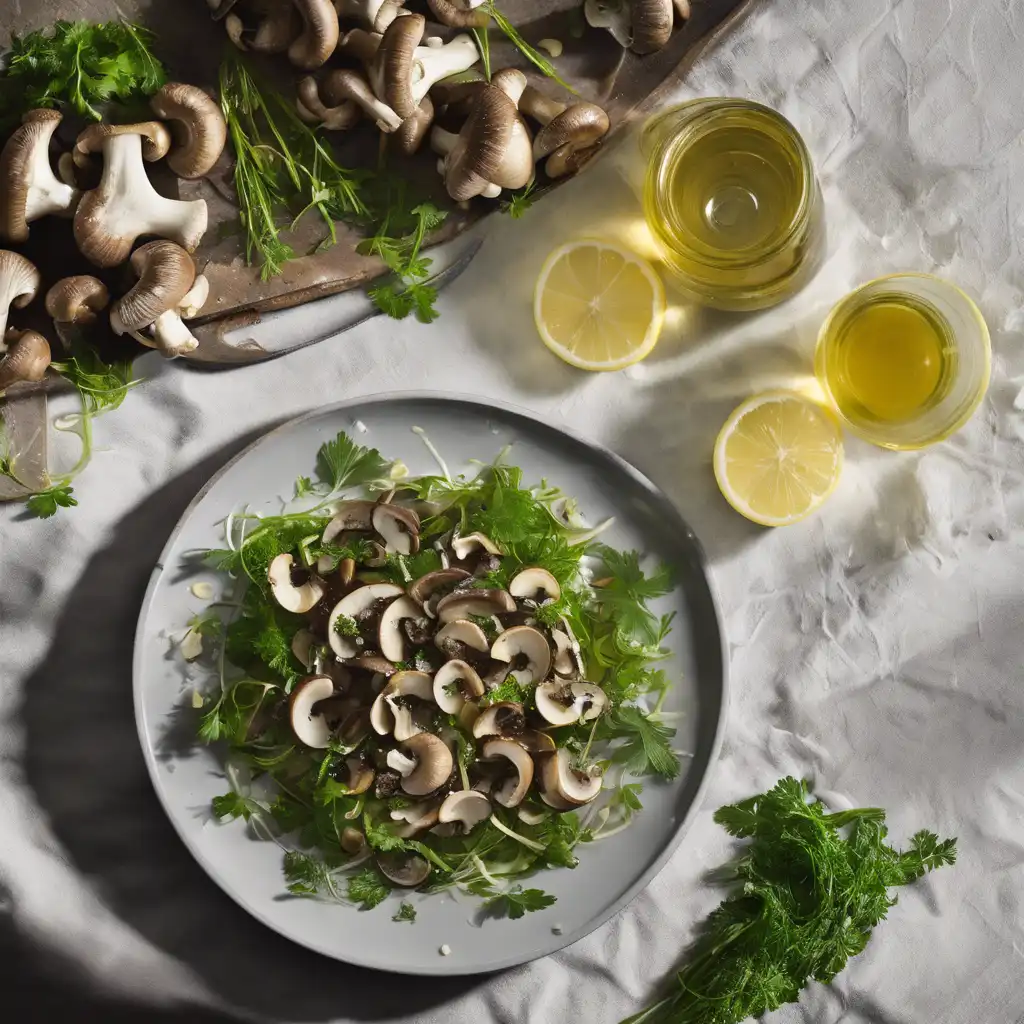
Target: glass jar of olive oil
[
  {"x": 732, "y": 198},
  {"x": 905, "y": 359}
]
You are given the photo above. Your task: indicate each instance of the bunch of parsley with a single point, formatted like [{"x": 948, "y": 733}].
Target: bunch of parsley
[{"x": 812, "y": 886}]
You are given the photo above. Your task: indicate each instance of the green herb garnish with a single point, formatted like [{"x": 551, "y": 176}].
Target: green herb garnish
[
  {"x": 516, "y": 902},
  {"x": 406, "y": 912}
]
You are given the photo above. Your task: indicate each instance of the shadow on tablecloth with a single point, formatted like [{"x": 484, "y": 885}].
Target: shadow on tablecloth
[{"x": 93, "y": 784}]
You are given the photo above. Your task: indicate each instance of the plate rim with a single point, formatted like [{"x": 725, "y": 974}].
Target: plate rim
[{"x": 657, "y": 864}]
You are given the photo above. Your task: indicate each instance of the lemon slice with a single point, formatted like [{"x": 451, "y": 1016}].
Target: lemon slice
[
  {"x": 598, "y": 306},
  {"x": 778, "y": 457}
]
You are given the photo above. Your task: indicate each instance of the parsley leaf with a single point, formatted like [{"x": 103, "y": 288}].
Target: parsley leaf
[
  {"x": 346, "y": 626},
  {"x": 368, "y": 888},
  {"x": 646, "y": 749},
  {"x": 516, "y": 902},
  {"x": 307, "y": 876},
  {"x": 509, "y": 691},
  {"x": 342, "y": 463},
  {"x": 406, "y": 912},
  {"x": 45, "y": 503},
  {"x": 231, "y": 805},
  {"x": 624, "y": 597}
]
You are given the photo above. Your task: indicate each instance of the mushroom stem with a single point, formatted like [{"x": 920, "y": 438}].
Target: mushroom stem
[
  {"x": 442, "y": 141},
  {"x": 541, "y": 108},
  {"x": 339, "y": 118},
  {"x": 342, "y": 85}
]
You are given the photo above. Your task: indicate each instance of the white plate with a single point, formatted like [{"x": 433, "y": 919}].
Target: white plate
[{"x": 611, "y": 872}]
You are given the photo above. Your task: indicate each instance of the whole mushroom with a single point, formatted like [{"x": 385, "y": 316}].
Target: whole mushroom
[
  {"x": 125, "y": 205},
  {"x": 166, "y": 291},
  {"x": 19, "y": 283},
  {"x": 77, "y": 299},
  {"x": 312, "y": 110},
  {"x": 569, "y": 132},
  {"x": 197, "y": 128},
  {"x": 320, "y": 34},
  {"x": 27, "y": 359},
  {"x": 493, "y": 150},
  {"x": 643, "y": 26},
  {"x": 28, "y": 187},
  {"x": 343, "y": 85}
]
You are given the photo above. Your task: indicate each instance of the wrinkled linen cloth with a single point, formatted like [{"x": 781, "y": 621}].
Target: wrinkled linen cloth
[{"x": 875, "y": 649}]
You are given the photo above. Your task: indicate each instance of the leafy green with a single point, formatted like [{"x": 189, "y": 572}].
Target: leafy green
[
  {"x": 516, "y": 902},
  {"x": 45, "y": 503},
  {"x": 807, "y": 900},
  {"x": 345, "y": 626},
  {"x": 624, "y": 597},
  {"x": 309, "y": 876},
  {"x": 406, "y": 912},
  {"x": 645, "y": 749},
  {"x": 233, "y": 805},
  {"x": 561, "y": 833},
  {"x": 534, "y": 56},
  {"x": 341, "y": 463},
  {"x": 81, "y": 65},
  {"x": 368, "y": 888},
  {"x": 232, "y": 715},
  {"x": 103, "y": 386},
  {"x": 509, "y": 690}
]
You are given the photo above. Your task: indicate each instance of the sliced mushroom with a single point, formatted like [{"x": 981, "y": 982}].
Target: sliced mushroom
[
  {"x": 290, "y": 597},
  {"x": 311, "y": 729},
  {"x": 456, "y": 682},
  {"x": 526, "y": 652},
  {"x": 197, "y": 128},
  {"x": 570, "y": 131},
  {"x": 427, "y": 586},
  {"x": 415, "y": 818},
  {"x": 467, "y": 603},
  {"x": 165, "y": 292},
  {"x": 360, "y": 774},
  {"x": 401, "y": 763},
  {"x": 505, "y": 718},
  {"x": 311, "y": 108},
  {"x": 356, "y": 605},
  {"x": 386, "y": 714},
  {"x": 407, "y": 870},
  {"x": 376, "y": 15},
  {"x": 398, "y": 526},
  {"x": 434, "y": 764},
  {"x": 465, "y": 546},
  {"x": 460, "y": 633},
  {"x": 467, "y": 808},
  {"x": 513, "y": 791},
  {"x": 562, "y": 787},
  {"x": 373, "y": 663},
  {"x": 535, "y": 584},
  {"x": 536, "y": 742},
  {"x": 350, "y": 515},
  {"x": 567, "y": 703},
  {"x": 27, "y": 358},
  {"x": 303, "y": 647},
  {"x": 493, "y": 150},
  {"x": 125, "y": 205},
  {"x": 563, "y": 663},
  {"x": 28, "y": 187},
  {"x": 320, "y": 34},
  {"x": 19, "y": 283},
  {"x": 77, "y": 300},
  {"x": 456, "y": 15},
  {"x": 392, "y": 639},
  {"x": 352, "y": 841}
]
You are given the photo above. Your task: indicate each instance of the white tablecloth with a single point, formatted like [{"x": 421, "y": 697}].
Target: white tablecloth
[{"x": 876, "y": 648}]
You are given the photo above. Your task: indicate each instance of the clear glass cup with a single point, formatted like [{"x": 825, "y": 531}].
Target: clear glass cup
[
  {"x": 905, "y": 359},
  {"x": 732, "y": 198}
]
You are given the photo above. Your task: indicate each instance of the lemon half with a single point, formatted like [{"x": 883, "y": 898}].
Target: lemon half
[
  {"x": 598, "y": 306},
  {"x": 778, "y": 457}
]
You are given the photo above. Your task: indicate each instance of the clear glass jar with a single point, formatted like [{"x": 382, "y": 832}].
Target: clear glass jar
[
  {"x": 732, "y": 198},
  {"x": 905, "y": 359}
]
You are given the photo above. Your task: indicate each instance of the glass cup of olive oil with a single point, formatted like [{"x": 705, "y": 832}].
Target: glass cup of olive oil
[
  {"x": 905, "y": 359},
  {"x": 732, "y": 198}
]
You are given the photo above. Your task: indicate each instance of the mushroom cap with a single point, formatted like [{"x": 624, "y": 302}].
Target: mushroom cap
[
  {"x": 392, "y": 639},
  {"x": 302, "y": 647},
  {"x": 24, "y": 151},
  {"x": 567, "y": 160},
  {"x": 166, "y": 273},
  {"x": 339, "y": 118},
  {"x": 651, "y": 23},
  {"x": 77, "y": 300},
  {"x": 463, "y": 604},
  {"x": 395, "y": 57},
  {"x": 467, "y": 807},
  {"x": 461, "y": 631},
  {"x": 156, "y": 139},
  {"x": 465, "y": 546},
  {"x": 277, "y": 28},
  {"x": 27, "y": 359},
  {"x": 352, "y": 606},
  {"x": 309, "y": 728},
  {"x": 350, "y": 515},
  {"x": 352, "y": 841},
  {"x": 465, "y": 681},
  {"x": 526, "y": 651},
  {"x": 536, "y": 742},
  {"x": 360, "y": 774},
  {"x": 19, "y": 284},
  {"x": 291, "y": 598},
  {"x": 536, "y": 584},
  {"x": 568, "y": 703},
  {"x": 458, "y": 17},
  {"x": 434, "y": 764},
  {"x": 513, "y": 792},
  {"x": 417, "y": 817},
  {"x": 562, "y": 787},
  {"x": 399, "y": 527},
  {"x": 319, "y": 36},
  {"x": 407, "y": 870},
  {"x": 401, "y": 684},
  {"x": 579, "y": 126},
  {"x": 197, "y": 128},
  {"x": 427, "y": 585},
  {"x": 505, "y": 718},
  {"x": 414, "y": 128}
]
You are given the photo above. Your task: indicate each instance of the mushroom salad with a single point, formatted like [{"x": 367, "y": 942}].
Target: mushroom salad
[{"x": 439, "y": 683}]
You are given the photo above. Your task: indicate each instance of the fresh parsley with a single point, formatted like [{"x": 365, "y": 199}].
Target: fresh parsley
[
  {"x": 46, "y": 503},
  {"x": 516, "y": 902},
  {"x": 811, "y": 886},
  {"x": 368, "y": 888},
  {"x": 345, "y": 626},
  {"x": 341, "y": 463},
  {"x": 406, "y": 912},
  {"x": 645, "y": 748}
]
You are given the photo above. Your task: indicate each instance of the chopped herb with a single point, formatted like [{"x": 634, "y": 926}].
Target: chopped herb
[
  {"x": 509, "y": 691},
  {"x": 406, "y": 912},
  {"x": 345, "y": 626},
  {"x": 368, "y": 888}
]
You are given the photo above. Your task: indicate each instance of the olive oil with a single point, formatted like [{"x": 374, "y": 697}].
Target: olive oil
[
  {"x": 905, "y": 359},
  {"x": 732, "y": 198}
]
